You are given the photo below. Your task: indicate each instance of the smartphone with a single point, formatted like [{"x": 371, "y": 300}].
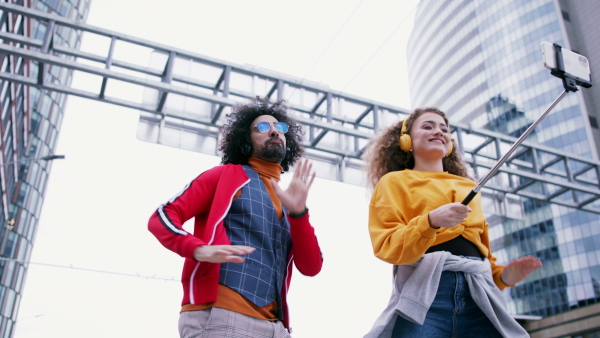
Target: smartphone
[{"x": 575, "y": 64}]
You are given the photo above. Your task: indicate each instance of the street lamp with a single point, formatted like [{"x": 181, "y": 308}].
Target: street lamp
[
  {"x": 10, "y": 225},
  {"x": 43, "y": 158}
]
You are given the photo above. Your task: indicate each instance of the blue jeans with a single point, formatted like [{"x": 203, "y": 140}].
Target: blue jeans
[{"x": 453, "y": 313}]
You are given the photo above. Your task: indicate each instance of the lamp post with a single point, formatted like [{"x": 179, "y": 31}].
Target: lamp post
[
  {"x": 12, "y": 232},
  {"x": 43, "y": 158},
  {"x": 11, "y": 223}
]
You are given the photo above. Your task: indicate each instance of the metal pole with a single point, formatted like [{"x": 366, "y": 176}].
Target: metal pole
[
  {"x": 43, "y": 158},
  {"x": 511, "y": 150}
]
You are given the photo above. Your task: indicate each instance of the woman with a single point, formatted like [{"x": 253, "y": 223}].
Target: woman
[{"x": 446, "y": 280}]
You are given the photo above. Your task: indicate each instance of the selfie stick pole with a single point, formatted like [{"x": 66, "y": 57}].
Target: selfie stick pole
[
  {"x": 570, "y": 85},
  {"x": 510, "y": 151}
]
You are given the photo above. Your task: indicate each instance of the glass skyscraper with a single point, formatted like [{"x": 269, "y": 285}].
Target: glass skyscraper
[
  {"x": 29, "y": 125},
  {"x": 480, "y": 61}
]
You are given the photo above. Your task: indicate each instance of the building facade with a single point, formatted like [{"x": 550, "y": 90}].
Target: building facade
[
  {"x": 481, "y": 62},
  {"x": 29, "y": 126}
]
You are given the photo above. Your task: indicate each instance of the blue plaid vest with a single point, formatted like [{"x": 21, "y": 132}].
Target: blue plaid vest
[{"x": 252, "y": 220}]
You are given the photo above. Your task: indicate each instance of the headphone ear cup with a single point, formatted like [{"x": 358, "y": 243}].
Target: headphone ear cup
[
  {"x": 246, "y": 150},
  {"x": 405, "y": 142},
  {"x": 451, "y": 148}
]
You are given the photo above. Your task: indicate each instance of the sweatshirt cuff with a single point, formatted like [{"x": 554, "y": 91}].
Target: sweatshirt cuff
[
  {"x": 425, "y": 228},
  {"x": 499, "y": 282}
]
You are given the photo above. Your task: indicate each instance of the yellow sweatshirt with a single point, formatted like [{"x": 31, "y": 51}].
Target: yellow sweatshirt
[{"x": 399, "y": 222}]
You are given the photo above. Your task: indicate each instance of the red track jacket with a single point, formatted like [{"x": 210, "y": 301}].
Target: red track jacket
[{"x": 208, "y": 199}]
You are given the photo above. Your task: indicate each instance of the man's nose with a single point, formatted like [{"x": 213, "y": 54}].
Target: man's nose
[{"x": 273, "y": 130}]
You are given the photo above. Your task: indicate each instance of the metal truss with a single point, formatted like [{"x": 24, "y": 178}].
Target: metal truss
[{"x": 184, "y": 98}]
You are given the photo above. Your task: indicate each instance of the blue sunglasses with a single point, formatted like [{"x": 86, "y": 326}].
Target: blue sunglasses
[{"x": 265, "y": 127}]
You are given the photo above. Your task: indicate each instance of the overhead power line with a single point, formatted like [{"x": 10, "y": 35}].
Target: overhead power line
[
  {"x": 328, "y": 45},
  {"x": 170, "y": 279},
  {"x": 402, "y": 22},
  {"x": 379, "y": 48}
]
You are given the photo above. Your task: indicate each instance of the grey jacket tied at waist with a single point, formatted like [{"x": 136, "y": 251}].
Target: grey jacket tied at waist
[{"x": 415, "y": 288}]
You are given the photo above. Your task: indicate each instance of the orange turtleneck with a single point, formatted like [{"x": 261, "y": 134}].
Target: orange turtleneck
[{"x": 227, "y": 298}]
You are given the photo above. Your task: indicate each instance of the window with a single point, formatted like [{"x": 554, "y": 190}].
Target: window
[
  {"x": 9, "y": 303},
  {"x": 594, "y": 122}
]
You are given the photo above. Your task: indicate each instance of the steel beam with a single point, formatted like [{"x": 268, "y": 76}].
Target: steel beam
[{"x": 335, "y": 137}]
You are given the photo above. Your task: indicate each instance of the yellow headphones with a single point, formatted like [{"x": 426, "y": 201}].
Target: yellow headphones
[{"x": 405, "y": 141}]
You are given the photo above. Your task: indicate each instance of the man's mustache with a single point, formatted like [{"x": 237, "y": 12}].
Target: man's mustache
[{"x": 274, "y": 138}]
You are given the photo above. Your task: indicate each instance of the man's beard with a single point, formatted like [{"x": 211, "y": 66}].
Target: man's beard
[{"x": 272, "y": 152}]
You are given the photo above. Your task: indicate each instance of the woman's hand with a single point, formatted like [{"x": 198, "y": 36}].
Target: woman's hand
[
  {"x": 519, "y": 269},
  {"x": 448, "y": 215}
]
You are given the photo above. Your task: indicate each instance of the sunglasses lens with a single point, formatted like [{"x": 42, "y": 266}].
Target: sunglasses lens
[
  {"x": 263, "y": 127},
  {"x": 281, "y": 127}
]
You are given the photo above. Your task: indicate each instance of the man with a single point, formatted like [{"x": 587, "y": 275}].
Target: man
[{"x": 247, "y": 230}]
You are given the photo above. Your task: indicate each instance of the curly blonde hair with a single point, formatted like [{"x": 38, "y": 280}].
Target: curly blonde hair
[{"x": 383, "y": 154}]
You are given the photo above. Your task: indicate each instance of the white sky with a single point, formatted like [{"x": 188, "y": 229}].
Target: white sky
[{"x": 99, "y": 198}]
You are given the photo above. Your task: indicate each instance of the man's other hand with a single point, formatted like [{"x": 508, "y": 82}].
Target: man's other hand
[{"x": 222, "y": 253}]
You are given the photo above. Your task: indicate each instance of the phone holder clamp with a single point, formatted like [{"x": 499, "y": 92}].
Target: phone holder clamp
[{"x": 570, "y": 82}]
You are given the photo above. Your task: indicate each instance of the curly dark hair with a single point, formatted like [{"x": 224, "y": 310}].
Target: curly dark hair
[
  {"x": 383, "y": 153},
  {"x": 236, "y": 144}
]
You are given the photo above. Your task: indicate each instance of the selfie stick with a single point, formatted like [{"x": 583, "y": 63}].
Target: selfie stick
[{"x": 569, "y": 83}]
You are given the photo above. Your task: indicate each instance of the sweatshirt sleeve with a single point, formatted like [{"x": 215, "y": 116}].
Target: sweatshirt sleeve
[
  {"x": 397, "y": 236},
  {"x": 305, "y": 247},
  {"x": 166, "y": 223},
  {"x": 496, "y": 269}
]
